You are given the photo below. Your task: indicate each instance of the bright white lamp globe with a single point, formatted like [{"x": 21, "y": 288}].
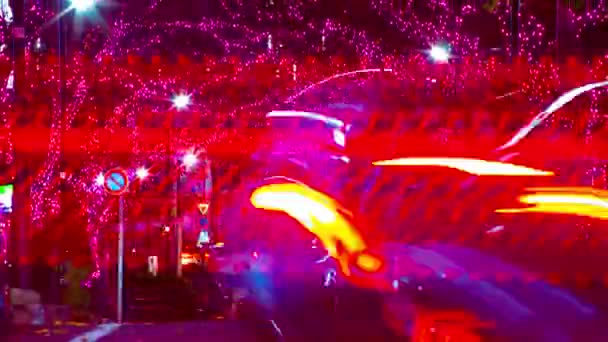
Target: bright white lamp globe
[
  {"x": 439, "y": 54},
  {"x": 83, "y": 5}
]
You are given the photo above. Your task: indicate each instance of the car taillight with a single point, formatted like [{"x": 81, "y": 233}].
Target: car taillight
[{"x": 368, "y": 262}]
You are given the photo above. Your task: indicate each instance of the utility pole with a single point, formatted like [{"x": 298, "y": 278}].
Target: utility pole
[
  {"x": 557, "y": 24},
  {"x": 514, "y": 26},
  {"x": 174, "y": 170},
  {"x": 21, "y": 250},
  {"x": 179, "y": 234}
]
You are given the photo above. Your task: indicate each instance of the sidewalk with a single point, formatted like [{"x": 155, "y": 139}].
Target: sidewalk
[
  {"x": 62, "y": 332},
  {"x": 211, "y": 331}
]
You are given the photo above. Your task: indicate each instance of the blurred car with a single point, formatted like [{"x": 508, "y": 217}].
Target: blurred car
[
  {"x": 399, "y": 177},
  {"x": 252, "y": 269}
]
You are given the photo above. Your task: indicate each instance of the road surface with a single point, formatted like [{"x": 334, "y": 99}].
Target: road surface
[{"x": 219, "y": 330}]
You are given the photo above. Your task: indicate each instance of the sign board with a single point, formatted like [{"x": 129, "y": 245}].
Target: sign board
[
  {"x": 203, "y": 208},
  {"x": 153, "y": 265},
  {"x": 116, "y": 181},
  {"x": 203, "y": 239}
]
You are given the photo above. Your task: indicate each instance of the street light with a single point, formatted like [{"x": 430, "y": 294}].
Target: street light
[
  {"x": 181, "y": 101},
  {"x": 100, "y": 179},
  {"x": 82, "y": 5},
  {"x": 439, "y": 54},
  {"x": 142, "y": 173},
  {"x": 190, "y": 159}
]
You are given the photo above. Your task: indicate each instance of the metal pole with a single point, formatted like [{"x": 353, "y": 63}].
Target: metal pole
[
  {"x": 557, "y": 23},
  {"x": 178, "y": 226},
  {"x": 121, "y": 254},
  {"x": 21, "y": 226}
]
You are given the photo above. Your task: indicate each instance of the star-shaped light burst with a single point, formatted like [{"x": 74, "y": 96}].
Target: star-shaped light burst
[
  {"x": 83, "y": 10},
  {"x": 181, "y": 101},
  {"x": 190, "y": 159},
  {"x": 142, "y": 173},
  {"x": 100, "y": 179},
  {"x": 439, "y": 54},
  {"x": 83, "y": 5}
]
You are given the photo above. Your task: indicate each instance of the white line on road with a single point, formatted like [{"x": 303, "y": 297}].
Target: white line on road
[
  {"x": 277, "y": 330},
  {"x": 97, "y": 333}
]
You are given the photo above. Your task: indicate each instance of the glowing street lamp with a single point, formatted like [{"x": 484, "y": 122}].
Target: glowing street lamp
[
  {"x": 100, "y": 179},
  {"x": 181, "y": 101},
  {"x": 439, "y": 54},
  {"x": 83, "y": 5},
  {"x": 190, "y": 159},
  {"x": 84, "y": 10},
  {"x": 142, "y": 173}
]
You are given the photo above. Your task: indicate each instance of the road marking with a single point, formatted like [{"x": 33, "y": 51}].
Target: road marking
[
  {"x": 277, "y": 330},
  {"x": 97, "y": 333}
]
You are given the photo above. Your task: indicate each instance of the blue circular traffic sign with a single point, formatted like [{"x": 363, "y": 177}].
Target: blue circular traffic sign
[{"x": 116, "y": 181}]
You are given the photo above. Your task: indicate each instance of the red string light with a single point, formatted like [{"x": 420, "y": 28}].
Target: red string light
[{"x": 129, "y": 94}]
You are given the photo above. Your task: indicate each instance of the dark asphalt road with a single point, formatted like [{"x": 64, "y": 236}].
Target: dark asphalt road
[
  {"x": 183, "y": 331},
  {"x": 193, "y": 331}
]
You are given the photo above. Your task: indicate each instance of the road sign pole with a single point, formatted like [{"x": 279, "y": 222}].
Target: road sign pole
[
  {"x": 121, "y": 254},
  {"x": 116, "y": 183},
  {"x": 178, "y": 227}
]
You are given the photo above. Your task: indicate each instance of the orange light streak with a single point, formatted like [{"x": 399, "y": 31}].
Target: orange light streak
[
  {"x": 578, "y": 201},
  {"x": 317, "y": 212},
  {"x": 476, "y": 167}
]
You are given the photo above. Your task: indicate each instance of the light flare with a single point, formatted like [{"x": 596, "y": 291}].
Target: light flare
[
  {"x": 100, "y": 179},
  {"x": 577, "y": 201},
  {"x": 190, "y": 160},
  {"x": 317, "y": 212},
  {"x": 476, "y": 167},
  {"x": 82, "y": 5},
  {"x": 369, "y": 263},
  {"x": 439, "y": 54},
  {"x": 336, "y": 76},
  {"x": 552, "y": 108},
  {"x": 85, "y": 10},
  {"x": 306, "y": 115},
  {"x": 181, "y": 101},
  {"x": 142, "y": 173}
]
